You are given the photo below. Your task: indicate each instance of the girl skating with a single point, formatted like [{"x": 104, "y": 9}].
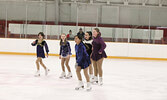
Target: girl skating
[
  {"x": 64, "y": 55},
  {"x": 88, "y": 44},
  {"x": 82, "y": 62},
  {"x": 40, "y": 42},
  {"x": 98, "y": 54}
]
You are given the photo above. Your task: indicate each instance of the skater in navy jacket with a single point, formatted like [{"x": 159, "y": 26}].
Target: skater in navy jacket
[{"x": 82, "y": 62}]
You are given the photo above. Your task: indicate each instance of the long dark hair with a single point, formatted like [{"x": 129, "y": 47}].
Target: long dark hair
[
  {"x": 90, "y": 34},
  {"x": 79, "y": 36},
  {"x": 61, "y": 41}
]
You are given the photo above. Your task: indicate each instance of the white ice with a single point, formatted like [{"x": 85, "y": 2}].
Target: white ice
[{"x": 123, "y": 80}]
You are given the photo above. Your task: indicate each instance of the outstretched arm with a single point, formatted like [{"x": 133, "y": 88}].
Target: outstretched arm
[{"x": 34, "y": 43}]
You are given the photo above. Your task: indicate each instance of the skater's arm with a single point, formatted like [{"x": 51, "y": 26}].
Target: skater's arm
[
  {"x": 69, "y": 48},
  {"x": 80, "y": 56},
  {"x": 60, "y": 50},
  {"x": 46, "y": 48},
  {"x": 75, "y": 52},
  {"x": 34, "y": 43},
  {"x": 103, "y": 46}
]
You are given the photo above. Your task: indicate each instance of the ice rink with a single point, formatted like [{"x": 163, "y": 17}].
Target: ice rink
[{"x": 123, "y": 80}]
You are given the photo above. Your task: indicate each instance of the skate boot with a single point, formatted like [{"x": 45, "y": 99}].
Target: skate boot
[
  {"x": 79, "y": 86},
  {"x": 95, "y": 80},
  {"x": 100, "y": 81},
  {"x": 46, "y": 71},
  {"x": 37, "y": 74},
  {"x": 91, "y": 77},
  {"x": 69, "y": 75},
  {"x": 63, "y": 74},
  {"x": 89, "y": 87}
]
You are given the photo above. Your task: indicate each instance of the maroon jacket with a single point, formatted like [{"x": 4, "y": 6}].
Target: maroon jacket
[{"x": 98, "y": 46}]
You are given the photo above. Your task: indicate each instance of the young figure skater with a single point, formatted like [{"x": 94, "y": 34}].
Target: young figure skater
[
  {"x": 88, "y": 44},
  {"x": 65, "y": 52},
  {"x": 82, "y": 62},
  {"x": 40, "y": 42},
  {"x": 98, "y": 54}
]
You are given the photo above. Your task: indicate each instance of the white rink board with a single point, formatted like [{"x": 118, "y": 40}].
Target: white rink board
[{"x": 113, "y": 49}]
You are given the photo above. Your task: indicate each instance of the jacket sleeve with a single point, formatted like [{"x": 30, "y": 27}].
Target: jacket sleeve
[
  {"x": 80, "y": 56},
  {"x": 60, "y": 50},
  {"x": 69, "y": 48},
  {"x": 46, "y": 47},
  {"x": 103, "y": 45},
  {"x": 35, "y": 43},
  {"x": 75, "y": 52}
]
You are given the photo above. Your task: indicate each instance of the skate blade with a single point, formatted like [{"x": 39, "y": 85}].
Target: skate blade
[
  {"x": 68, "y": 77},
  {"x": 79, "y": 88},
  {"x": 76, "y": 88},
  {"x": 62, "y": 77},
  {"x": 47, "y": 72},
  {"x": 101, "y": 84},
  {"x": 95, "y": 83},
  {"x": 89, "y": 89},
  {"x": 37, "y": 75}
]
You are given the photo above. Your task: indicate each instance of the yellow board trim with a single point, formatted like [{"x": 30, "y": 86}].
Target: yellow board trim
[{"x": 110, "y": 57}]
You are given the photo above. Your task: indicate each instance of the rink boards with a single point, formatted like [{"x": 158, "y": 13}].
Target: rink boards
[{"x": 113, "y": 50}]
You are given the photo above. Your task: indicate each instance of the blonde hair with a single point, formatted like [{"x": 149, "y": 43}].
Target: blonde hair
[{"x": 62, "y": 40}]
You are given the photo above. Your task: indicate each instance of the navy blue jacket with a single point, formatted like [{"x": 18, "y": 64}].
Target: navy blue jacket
[
  {"x": 40, "y": 49},
  {"x": 82, "y": 57},
  {"x": 65, "y": 49}
]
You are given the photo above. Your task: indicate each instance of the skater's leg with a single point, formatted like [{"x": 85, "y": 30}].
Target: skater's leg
[
  {"x": 86, "y": 74},
  {"x": 95, "y": 79},
  {"x": 90, "y": 68},
  {"x": 78, "y": 71},
  {"x": 63, "y": 74},
  {"x": 67, "y": 65},
  {"x": 99, "y": 67},
  {"x": 88, "y": 88},
  {"x": 37, "y": 63},
  {"x": 62, "y": 64},
  {"x": 80, "y": 83},
  {"x": 95, "y": 67},
  {"x": 38, "y": 67},
  {"x": 43, "y": 65}
]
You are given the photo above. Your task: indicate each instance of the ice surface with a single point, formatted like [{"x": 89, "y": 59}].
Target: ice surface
[{"x": 123, "y": 80}]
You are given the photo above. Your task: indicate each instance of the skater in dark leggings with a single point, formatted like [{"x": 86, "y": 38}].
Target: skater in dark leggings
[
  {"x": 40, "y": 42},
  {"x": 88, "y": 44},
  {"x": 82, "y": 62}
]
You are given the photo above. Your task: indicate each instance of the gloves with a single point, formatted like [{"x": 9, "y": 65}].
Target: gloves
[{"x": 76, "y": 65}]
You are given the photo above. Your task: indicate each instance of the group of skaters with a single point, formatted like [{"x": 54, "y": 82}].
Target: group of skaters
[{"x": 89, "y": 51}]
